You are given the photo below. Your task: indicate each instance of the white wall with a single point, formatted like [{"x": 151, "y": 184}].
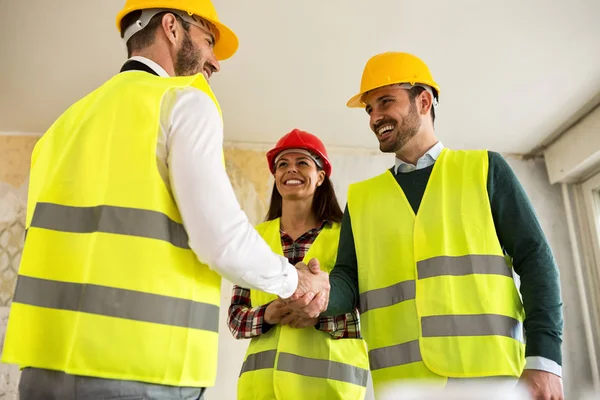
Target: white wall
[{"x": 576, "y": 153}]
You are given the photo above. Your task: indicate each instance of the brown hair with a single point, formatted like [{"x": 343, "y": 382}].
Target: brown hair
[
  {"x": 325, "y": 204},
  {"x": 145, "y": 37},
  {"x": 416, "y": 91}
]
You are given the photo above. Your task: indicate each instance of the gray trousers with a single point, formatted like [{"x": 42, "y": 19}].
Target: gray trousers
[{"x": 38, "y": 384}]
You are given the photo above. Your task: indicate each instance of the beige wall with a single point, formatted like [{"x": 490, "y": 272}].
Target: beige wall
[
  {"x": 252, "y": 183},
  {"x": 15, "y": 154},
  {"x": 14, "y": 166}
]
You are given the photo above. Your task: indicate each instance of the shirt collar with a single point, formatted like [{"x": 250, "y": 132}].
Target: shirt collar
[
  {"x": 321, "y": 226},
  {"x": 427, "y": 160},
  {"x": 155, "y": 67}
]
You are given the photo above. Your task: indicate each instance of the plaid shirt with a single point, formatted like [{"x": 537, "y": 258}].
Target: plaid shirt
[{"x": 247, "y": 322}]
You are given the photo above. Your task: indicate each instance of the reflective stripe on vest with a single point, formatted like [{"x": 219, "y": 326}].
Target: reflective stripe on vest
[
  {"x": 110, "y": 219},
  {"x": 438, "y": 266},
  {"x": 423, "y": 314},
  {"x": 472, "y": 325},
  {"x": 388, "y": 296},
  {"x": 464, "y": 265},
  {"x": 325, "y": 369},
  {"x": 445, "y": 326},
  {"x": 391, "y": 356},
  {"x": 262, "y": 360},
  {"x": 114, "y": 302}
]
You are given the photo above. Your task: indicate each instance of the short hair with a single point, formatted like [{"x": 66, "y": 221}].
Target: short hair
[
  {"x": 144, "y": 38},
  {"x": 416, "y": 91}
]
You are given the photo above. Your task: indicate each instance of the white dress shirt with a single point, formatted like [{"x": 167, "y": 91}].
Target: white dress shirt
[
  {"x": 427, "y": 160},
  {"x": 424, "y": 161},
  {"x": 189, "y": 160}
]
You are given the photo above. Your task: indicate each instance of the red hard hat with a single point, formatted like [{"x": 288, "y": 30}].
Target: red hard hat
[{"x": 298, "y": 139}]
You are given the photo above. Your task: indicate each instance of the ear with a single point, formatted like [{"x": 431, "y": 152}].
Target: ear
[
  {"x": 320, "y": 177},
  {"x": 425, "y": 102},
  {"x": 170, "y": 28}
]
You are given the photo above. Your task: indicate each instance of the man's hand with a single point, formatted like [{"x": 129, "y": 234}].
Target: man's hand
[
  {"x": 312, "y": 294},
  {"x": 309, "y": 306},
  {"x": 276, "y": 311},
  {"x": 307, "y": 282},
  {"x": 294, "y": 320},
  {"x": 542, "y": 385}
]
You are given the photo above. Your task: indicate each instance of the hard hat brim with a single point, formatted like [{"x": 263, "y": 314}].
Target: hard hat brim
[
  {"x": 227, "y": 44},
  {"x": 356, "y": 102}
]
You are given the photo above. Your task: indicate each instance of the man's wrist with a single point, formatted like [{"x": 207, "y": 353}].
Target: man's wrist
[
  {"x": 544, "y": 345},
  {"x": 291, "y": 281},
  {"x": 543, "y": 364},
  {"x": 261, "y": 319},
  {"x": 265, "y": 327}
]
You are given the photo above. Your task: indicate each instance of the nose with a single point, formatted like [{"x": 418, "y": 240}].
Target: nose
[
  {"x": 375, "y": 118},
  {"x": 291, "y": 169},
  {"x": 214, "y": 63}
]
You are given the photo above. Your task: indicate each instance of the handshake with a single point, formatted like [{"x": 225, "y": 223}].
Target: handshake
[{"x": 309, "y": 300}]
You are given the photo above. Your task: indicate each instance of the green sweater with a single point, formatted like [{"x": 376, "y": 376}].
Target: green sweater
[{"x": 521, "y": 237}]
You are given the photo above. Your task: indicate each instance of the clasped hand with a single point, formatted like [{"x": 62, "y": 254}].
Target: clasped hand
[
  {"x": 309, "y": 300},
  {"x": 312, "y": 293},
  {"x": 278, "y": 312}
]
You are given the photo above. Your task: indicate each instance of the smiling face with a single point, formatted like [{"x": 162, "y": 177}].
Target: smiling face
[
  {"x": 394, "y": 118},
  {"x": 196, "y": 52},
  {"x": 297, "y": 176}
]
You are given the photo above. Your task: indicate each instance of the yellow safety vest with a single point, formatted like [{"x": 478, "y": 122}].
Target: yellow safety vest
[
  {"x": 437, "y": 296},
  {"x": 287, "y": 363},
  {"x": 108, "y": 285}
]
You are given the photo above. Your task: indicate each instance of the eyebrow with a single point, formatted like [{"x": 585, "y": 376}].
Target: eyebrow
[
  {"x": 208, "y": 28},
  {"x": 211, "y": 35},
  {"x": 378, "y": 100},
  {"x": 298, "y": 158}
]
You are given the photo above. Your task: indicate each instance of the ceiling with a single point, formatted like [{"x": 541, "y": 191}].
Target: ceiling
[{"x": 511, "y": 72}]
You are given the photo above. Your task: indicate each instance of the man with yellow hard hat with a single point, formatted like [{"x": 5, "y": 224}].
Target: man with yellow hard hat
[
  {"x": 428, "y": 249},
  {"x": 129, "y": 204}
]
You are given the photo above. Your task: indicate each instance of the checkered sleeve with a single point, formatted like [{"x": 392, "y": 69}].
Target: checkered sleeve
[
  {"x": 245, "y": 321},
  {"x": 345, "y": 326}
]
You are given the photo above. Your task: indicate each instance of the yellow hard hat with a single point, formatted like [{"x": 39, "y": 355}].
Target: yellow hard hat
[
  {"x": 226, "y": 43},
  {"x": 390, "y": 68}
]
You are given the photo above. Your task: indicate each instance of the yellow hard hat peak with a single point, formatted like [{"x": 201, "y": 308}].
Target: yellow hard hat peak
[
  {"x": 227, "y": 42},
  {"x": 390, "y": 68}
]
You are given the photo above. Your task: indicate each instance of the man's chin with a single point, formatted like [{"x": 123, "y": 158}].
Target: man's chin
[{"x": 386, "y": 148}]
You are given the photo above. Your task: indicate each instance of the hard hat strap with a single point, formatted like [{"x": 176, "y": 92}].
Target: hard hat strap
[
  {"x": 408, "y": 86},
  {"x": 310, "y": 154},
  {"x": 148, "y": 13}
]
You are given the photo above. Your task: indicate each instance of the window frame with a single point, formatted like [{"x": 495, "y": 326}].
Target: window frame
[
  {"x": 586, "y": 210},
  {"x": 590, "y": 191}
]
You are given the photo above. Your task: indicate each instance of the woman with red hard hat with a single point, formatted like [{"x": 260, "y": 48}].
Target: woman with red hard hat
[{"x": 290, "y": 357}]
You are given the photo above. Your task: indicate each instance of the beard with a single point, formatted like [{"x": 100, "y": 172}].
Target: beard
[
  {"x": 408, "y": 129},
  {"x": 188, "y": 60}
]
